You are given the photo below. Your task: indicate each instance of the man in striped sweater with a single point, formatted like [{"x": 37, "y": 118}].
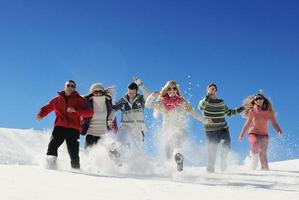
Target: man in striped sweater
[{"x": 215, "y": 126}]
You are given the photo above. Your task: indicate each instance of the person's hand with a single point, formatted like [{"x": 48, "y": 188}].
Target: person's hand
[
  {"x": 71, "y": 109},
  {"x": 208, "y": 120},
  {"x": 137, "y": 80},
  {"x": 39, "y": 117},
  {"x": 240, "y": 139},
  {"x": 281, "y": 135},
  {"x": 155, "y": 94},
  {"x": 110, "y": 124}
]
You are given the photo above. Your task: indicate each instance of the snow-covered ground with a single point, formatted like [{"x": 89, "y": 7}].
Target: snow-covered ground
[{"x": 22, "y": 176}]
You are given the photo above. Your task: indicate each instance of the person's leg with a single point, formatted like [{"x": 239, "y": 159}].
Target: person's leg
[
  {"x": 180, "y": 138},
  {"x": 225, "y": 148},
  {"x": 72, "y": 141},
  {"x": 91, "y": 140},
  {"x": 57, "y": 138},
  {"x": 212, "y": 150},
  {"x": 264, "y": 141},
  {"x": 254, "y": 150}
]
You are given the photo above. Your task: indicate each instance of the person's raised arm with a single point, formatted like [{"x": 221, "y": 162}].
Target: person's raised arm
[
  {"x": 246, "y": 125},
  {"x": 45, "y": 110}
]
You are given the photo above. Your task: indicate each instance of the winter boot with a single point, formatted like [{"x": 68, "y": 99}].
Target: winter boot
[
  {"x": 75, "y": 163},
  {"x": 51, "y": 162},
  {"x": 179, "y": 159},
  {"x": 115, "y": 156}
]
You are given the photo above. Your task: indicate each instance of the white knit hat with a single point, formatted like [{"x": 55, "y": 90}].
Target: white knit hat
[{"x": 96, "y": 87}]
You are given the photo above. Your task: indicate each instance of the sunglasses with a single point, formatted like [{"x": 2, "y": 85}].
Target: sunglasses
[
  {"x": 71, "y": 86},
  {"x": 172, "y": 88},
  {"x": 258, "y": 98},
  {"x": 98, "y": 92}
]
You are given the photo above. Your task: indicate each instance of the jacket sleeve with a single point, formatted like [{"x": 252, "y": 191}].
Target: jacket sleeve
[
  {"x": 247, "y": 124},
  {"x": 118, "y": 105},
  {"x": 84, "y": 109},
  {"x": 232, "y": 112},
  {"x": 196, "y": 115},
  {"x": 145, "y": 91},
  {"x": 151, "y": 103},
  {"x": 45, "y": 110},
  {"x": 274, "y": 123}
]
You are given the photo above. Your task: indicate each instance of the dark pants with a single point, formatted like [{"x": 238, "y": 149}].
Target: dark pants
[
  {"x": 71, "y": 136},
  {"x": 214, "y": 138},
  {"x": 91, "y": 140}
]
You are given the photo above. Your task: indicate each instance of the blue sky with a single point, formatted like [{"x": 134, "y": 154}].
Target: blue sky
[{"x": 242, "y": 46}]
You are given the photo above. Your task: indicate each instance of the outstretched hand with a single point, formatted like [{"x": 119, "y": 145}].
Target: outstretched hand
[
  {"x": 137, "y": 80},
  {"x": 240, "y": 139},
  {"x": 38, "y": 117},
  {"x": 281, "y": 135}
]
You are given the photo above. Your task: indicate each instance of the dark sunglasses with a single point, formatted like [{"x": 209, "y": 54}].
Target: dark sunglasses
[
  {"x": 71, "y": 86},
  {"x": 98, "y": 91},
  {"x": 174, "y": 88},
  {"x": 258, "y": 98}
]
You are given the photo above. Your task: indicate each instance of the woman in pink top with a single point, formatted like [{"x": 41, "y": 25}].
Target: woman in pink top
[{"x": 259, "y": 112}]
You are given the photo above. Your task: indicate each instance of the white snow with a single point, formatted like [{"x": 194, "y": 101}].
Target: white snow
[{"x": 22, "y": 176}]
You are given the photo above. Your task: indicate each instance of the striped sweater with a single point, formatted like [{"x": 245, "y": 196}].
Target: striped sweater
[{"x": 215, "y": 110}]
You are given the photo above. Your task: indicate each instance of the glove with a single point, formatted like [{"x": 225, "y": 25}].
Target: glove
[{"x": 138, "y": 81}]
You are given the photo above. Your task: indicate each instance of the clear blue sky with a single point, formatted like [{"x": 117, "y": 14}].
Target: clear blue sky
[{"x": 242, "y": 46}]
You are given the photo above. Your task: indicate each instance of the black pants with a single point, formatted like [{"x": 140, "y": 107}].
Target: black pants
[
  {"x": 71, "y": 136},
  {"x": 214, "y": 138},
  {"x": 91, "y": 140}
]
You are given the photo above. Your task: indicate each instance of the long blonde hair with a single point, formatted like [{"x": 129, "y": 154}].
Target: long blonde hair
[
  {"x": 249, "y": 103},
  {"x": 163, "y": 93}
]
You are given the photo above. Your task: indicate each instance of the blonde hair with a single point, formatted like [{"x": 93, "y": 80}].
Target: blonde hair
[
  {"x": 163, "y": 93},
  {"x": 248, "y": 104}
]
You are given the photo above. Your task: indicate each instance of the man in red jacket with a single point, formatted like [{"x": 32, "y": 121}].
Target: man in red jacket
[{"x": 69, "y": 107}]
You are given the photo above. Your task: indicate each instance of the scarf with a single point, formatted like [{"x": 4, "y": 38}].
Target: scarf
[{"x": 171, "y": 102}]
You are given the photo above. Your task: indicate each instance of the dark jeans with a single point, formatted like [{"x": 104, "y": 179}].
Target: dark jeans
[
  {"x": 91, "y": 140},
  {"x": 71, "y": 136},
  {"x": 214, "y": 138}
]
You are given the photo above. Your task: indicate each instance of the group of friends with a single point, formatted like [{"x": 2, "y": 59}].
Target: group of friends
[{"x": 94, "y": 116}]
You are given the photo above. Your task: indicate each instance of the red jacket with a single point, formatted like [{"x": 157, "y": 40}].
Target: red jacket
[{"x": 61, "y": 103}]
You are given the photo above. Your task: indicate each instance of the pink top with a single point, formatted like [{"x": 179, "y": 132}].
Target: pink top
[{"x": 258, "y": 121}]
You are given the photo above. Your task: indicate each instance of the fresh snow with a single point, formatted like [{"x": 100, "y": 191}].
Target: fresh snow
[{"x": 23, "y": 176}]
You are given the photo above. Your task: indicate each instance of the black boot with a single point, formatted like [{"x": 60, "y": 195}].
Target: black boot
[{"x": 75, "y": 163}]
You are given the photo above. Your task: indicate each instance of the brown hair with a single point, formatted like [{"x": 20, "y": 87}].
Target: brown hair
[{"x": 250, "y": 101}]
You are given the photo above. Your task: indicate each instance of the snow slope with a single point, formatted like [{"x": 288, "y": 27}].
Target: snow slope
[{"x": 22, "y": 176}]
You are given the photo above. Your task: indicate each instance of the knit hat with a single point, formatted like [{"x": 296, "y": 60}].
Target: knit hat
[{"x": 97, "y": 87}]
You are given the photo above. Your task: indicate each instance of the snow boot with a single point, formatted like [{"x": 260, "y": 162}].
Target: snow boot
[
  {"x": 51, "y": 162},
  {"x": 115, "y": 156},
  {"x": 179, "y": 159},
  {"x": 75, "y": 163}
]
